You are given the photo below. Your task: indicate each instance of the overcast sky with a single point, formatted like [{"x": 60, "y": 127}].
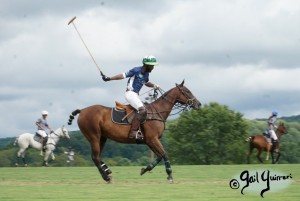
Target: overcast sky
[{"x": 243, "y": 54}]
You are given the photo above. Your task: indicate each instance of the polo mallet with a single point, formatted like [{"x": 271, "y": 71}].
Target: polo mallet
[{"x": 72, "y": 22}]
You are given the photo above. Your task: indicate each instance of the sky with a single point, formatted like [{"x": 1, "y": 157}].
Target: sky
[{"x": 239, "y": 53}]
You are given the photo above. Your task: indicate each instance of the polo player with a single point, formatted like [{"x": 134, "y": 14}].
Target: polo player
[{"x": 138, "y": 76}]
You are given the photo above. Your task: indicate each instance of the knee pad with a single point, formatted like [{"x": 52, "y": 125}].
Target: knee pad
[{"x": 142, "y": 113}]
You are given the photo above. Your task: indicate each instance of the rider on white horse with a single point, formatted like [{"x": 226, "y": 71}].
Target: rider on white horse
[{"x": 42, "y": 125}]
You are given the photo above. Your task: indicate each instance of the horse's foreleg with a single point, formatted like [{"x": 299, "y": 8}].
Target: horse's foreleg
[
  {"x": 273, "y": 149},
  {"x": 155, "y": 162},
  {"x": 272, "y": 155},
  {"x": 158, "y": 149},
  {"x": 168, "y": 168},
  {"x": 268, "y": 155},
  {"x": 278, "y": 155},
  {"x": 24, "y": 161},
  {"x": 47, "y": 154},
  {"x": 52, "y": 156},
  {"x": 151, "y": 166}
]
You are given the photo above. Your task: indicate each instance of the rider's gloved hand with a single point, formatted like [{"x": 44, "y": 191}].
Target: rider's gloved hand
[
  {"x": 105, "y": 78},
  {"x": 156, "y": 87}
]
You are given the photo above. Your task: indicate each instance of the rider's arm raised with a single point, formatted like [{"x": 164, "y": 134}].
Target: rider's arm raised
[{"x": 116, "y": 77}]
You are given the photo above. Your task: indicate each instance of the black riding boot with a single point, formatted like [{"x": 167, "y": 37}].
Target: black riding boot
[
  {"x": 274, "y": 143},
  {"x": 135, "y": 125}
]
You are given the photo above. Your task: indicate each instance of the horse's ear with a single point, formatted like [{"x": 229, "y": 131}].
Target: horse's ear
[{"x": 182, "y": 83}]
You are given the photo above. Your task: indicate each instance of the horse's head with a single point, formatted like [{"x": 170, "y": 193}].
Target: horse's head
[
  {"x": 281, "y": 128},
  {"x": 186, "y": 97},
  {"x": 64, "y": 132}
]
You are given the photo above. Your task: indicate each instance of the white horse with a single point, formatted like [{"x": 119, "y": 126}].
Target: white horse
[{"x": 27, "y": 140}]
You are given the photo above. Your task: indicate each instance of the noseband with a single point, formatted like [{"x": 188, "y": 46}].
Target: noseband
[{"x": 189, "y": 102}]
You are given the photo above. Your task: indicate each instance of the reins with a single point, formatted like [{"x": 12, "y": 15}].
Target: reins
[
  {"x": 179, "y": 104},
  {"x": 53, "y": 139}
]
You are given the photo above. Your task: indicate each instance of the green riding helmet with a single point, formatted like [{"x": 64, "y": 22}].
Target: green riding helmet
[{"x": 150, "y": 60}]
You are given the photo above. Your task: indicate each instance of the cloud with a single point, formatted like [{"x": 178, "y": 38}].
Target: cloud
[{"x": 239, "y": 53}]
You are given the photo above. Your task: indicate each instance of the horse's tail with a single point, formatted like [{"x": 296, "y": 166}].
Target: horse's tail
[
  {"x": 16, "y": 141},
  {"x": 249, "y": 138},
  {"x": 73, "y": 114}
]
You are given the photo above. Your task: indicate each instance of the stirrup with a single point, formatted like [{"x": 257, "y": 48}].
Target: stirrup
[{"x": 138, "y": 135}]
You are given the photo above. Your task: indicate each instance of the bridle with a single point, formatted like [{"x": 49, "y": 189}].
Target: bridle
[
  {"x": 180, "y": 105},
  {"x": 63, "y": 131},
  {"x": 64, "y": 135},
  {"x": 189, "y": 102}
]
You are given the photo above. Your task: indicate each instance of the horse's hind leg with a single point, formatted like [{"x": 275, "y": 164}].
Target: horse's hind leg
[
  {"x": 102, "y": 167},
  {"x": 268, "y": 151},
  {"x": 21, "y": 153},
  {"x": 258, "y": 155},
  {"x": 249, "y": 154}
]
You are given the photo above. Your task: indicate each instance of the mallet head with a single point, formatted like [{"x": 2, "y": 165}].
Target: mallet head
[{"x": 72, "y": 20}]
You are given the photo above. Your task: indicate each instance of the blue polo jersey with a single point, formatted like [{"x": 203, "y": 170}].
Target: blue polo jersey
[{"x": 136, "y": 79}]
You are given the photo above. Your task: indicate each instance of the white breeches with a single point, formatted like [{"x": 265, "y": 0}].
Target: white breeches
[
  {"x": 273, "y": 134},
  {"x": 133, "y": 99},
  {"x": 42, "y": 133}
]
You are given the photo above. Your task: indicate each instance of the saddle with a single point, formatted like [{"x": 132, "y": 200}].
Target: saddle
[
  {"x": 267, "y": 135},
  {"x": 122, "y": 114},
  {"x": 37, "y": 138}
]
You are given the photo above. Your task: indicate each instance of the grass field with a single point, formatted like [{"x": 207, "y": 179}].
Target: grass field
[{"x": 190, "y": 183}]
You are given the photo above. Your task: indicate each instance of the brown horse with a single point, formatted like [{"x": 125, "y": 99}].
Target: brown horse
[
  {"x": 259, "y": 142},
  {"x": 95, "y": 122}
]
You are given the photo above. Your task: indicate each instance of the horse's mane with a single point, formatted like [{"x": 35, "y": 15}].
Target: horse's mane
[{"x": 163, "y": 95}]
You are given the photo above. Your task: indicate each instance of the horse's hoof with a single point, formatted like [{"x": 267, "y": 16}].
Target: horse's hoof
[
  {"x": 143, "y": 171},
  {"x": 17, "y": 165},
  {"x": 170, "y": 179},
  {"x": 109, "y": 179}
]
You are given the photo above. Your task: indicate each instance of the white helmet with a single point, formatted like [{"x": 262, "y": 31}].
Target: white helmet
[{"x": 44, "y": 112}]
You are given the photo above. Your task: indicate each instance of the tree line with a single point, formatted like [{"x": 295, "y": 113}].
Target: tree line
[{"x": 215, "y": 134}]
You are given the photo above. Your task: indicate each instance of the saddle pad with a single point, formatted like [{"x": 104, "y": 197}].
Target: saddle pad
[
  {"x": 267, "y": 135},
  {"x": 118, "y": 115},
  {"x": 37, "y": 138}
]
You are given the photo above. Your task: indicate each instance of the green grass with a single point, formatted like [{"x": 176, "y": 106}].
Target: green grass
[{"x": 190, "y": 183}]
